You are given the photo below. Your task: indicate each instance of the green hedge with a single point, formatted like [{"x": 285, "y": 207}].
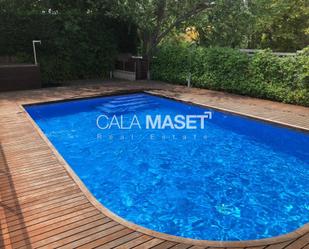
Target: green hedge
[
  {"x": 263, "y": 75},
  {"x": 74, "y": 45}
]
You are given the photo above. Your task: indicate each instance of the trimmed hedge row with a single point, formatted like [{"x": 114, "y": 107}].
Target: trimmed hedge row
[{"x": 264, "y": 75}]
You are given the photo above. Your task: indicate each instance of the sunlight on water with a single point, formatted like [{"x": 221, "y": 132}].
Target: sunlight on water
[{"x": 237, "y": 179}]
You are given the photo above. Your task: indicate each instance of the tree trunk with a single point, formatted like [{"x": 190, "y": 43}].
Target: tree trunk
[
  {"x": 147, "y": 57},
  {"x": 148, "y": 67},
  {"x": 148, "y": 54}
]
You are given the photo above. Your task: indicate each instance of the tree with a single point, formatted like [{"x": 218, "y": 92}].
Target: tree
[
  {"x": 228, "y": 24},
  {"x": 55, "y": 6},
  {"x": 281, "y": 25},
  {"x": 155, "y": 19}
]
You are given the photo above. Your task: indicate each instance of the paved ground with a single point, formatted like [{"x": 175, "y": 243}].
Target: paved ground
[{"x": 44, "y": 205}]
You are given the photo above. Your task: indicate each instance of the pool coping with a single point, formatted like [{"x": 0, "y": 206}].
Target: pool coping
[
  {"x": 159, "y": 94},
  {"x": 232, "y": 112},
  {"x": 244, "y": 243}
]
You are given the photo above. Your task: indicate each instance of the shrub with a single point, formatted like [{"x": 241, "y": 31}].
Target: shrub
[
  {"x": 74, "y": 45},
  {"x": 172, "y": 63},
  {"x": 263, "y": 75}
]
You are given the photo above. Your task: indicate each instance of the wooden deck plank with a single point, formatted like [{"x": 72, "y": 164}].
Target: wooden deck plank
[
  {"x": 28, "y": 205},
  {"x": 278, "y": 245},
  {"x": 299, "y": 243},
  {"x": 42, "y": 231},
  {"x": 28, "y": 216},
  {"x": 181, "y": 246},
  {"x": 102, "y": 241},
  {"x": 48, "y": 232},
  {"x": 256, "y": 247},
  {"x": 149, "y": 244},
  {"x": 89, "y": 235},
  {"x": 17, "y": 226},
  {"x": 80, "y": 213},
  {"x": 31, "y": 171},
  {"x": 23, "y": 181},
  {"x": 70, "y": 186},
  {"x": 50, "y": 213},
  {"x": 201, "y": 247},
  {"x": 43, "y": 206},
  {"x": 28, "y": 189},
  {"x": 134, "y": 242},
  {"x": 165, "y": 245},
  {"x": 120, "y": 241},
  {"x": 69, "y": 230},
  {"x": 27, "y": 200}
]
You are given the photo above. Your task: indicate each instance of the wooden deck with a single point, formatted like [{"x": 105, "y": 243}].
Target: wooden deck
[{"x": 44, "y": 205}]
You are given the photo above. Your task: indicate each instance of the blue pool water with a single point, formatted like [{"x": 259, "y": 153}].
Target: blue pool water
[{"x": 236, "y": 179}]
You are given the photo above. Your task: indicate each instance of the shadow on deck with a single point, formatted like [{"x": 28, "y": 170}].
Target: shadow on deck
[{"x": 10, "y": 207}]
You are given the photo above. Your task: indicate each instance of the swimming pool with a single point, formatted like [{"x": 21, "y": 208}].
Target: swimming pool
[{"x": 236, "y": 179}]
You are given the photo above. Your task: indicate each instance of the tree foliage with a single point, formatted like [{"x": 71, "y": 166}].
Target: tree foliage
[
  {"x": 91, "y": 32},
  {"x": 280, "y": 25},
  {"x": 155, "y": 19},
  {"x": 227, "y": 24}
]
